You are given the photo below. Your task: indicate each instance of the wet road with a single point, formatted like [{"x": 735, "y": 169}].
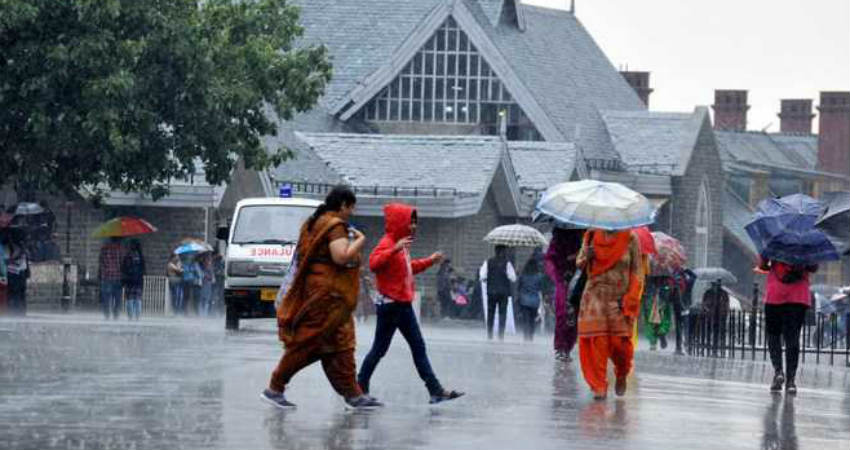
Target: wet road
[{"x": 79, "y": 382}]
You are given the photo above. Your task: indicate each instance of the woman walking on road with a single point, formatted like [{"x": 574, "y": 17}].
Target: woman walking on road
[
  {"x": 609, "y": 307},
  {"x": 530, "y": 293},
  {"x": 315, "y": 319},
  {"x": 786, "y": 299},
  {"x": 560, "y": 265}
]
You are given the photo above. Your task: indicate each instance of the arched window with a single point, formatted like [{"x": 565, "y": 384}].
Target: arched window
[{"x": 702, "y": 226}]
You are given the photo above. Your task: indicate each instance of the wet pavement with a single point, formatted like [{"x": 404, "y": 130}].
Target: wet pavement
[{"x": 79, "y": 382}]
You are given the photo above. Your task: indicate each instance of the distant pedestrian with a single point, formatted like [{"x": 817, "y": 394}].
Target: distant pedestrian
[
  {"x": 192, "y": 278},
  {"x": 715, "y": 307},
  {"x": 530, "y": 292},
  {"x": 609, "y": 307},
  {"x": 174, "y": 271},
  {"x": 207, "y": 282},
  {"x": 218, "y": 285},
  {"x": 110, "y": 277},
  {"x": 365, "y": 298},
  {"x": 315, "y": 318},
  {"x": 133, "y": 279},
  {"x": 657, "y": 308},
  {"x": 560, "y": 265},
  {"x": 497, "y": 278},
  {"x": 786, "y": 299},
  {"x": 444, "y": 289},
  {"x": 394, "y": 273}
]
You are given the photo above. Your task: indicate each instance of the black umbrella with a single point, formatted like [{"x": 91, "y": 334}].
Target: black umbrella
[
  {"x": 835, "y": 221},
  {"x": 28, "y": 209}
]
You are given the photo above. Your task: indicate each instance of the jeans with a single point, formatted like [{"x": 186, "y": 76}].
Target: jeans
[
  {"x": 392, "y": 316},
  {"x": 110, "y": 298},
  {"x": 783, "y": 323},
  {"x": 206, "y": 299},
  {"x": 134, "y": 308},
  {"x": 501, "y": 301},
  {"x": 191, "y": 294},
  {"x": 177, "y": 297},
  {"x": 528, "y": 316}
]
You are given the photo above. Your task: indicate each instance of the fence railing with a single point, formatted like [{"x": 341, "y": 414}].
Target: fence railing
[
  {"x": 741, "y": 335},
  {"x": 156, "y": 299}
]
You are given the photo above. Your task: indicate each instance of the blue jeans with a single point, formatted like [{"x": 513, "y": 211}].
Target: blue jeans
[
  {"x": 110, "y": 298},
  {"x": 176, "y": 296},
  {"x": 392, "y": 316},
  {"x": 206, "y": 299},
  {"x": 134, "y": 308}
]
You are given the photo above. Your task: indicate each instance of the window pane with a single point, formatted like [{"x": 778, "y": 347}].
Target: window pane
[
  {"x": 473, "y": 89},
  {"x": 473, "y": 65},
  {"x": 417, "y": 64},
  {"x": 405, "y": 110},
  {"x": 394, "y": 89},
  {"x": 429, "y": 89},
  {"x": 416, "y": 113},
  {"x": 461, "y": 65},
  {"x": 393, "y": 110},
  {"x": 417, "y": 88},
  {"x": 451, "y": 65},
  {"x": 506, "y": 96},
  {"x": 461, "y": 88},
  {"x": 473, "y": 113},
  {"x": 463, "y": 42},
  {"x": 495, "y": 86},
  {"x": 452, "y": 40},
  {"x": 438, "y": 111},
  {"x": 439, "y": 89},
  {"x": 431, "y": 43},
  {"x": 382, "y": 110},
  {"x": 451, "y": 88},
  {"x": 429, "y": 63},
  {"x": 441, "y": 40},
  {"x": 462, "y": 112},
  {"x": 405, "y": 87},
  {"x": 441, "y": 64},
  {"x": 407, "y": 69},
  {"x": 485, "y": 89},
  {"x": 450, "y": 112},
  {"x": 429, "y": 111}
]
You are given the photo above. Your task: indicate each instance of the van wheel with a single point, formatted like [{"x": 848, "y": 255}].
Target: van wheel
[{"x": 231, "y": 319}]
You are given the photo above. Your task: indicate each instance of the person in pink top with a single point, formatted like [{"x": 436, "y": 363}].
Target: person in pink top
[{"x": 786, "y": 299}]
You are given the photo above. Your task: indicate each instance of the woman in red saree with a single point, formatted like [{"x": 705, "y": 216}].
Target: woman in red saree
[{"x": 315, "y": 318}]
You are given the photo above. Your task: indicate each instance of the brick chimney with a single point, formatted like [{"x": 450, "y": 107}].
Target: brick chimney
[
  {"x": 834, "y": 132},
  {"x": 795, "y": 116},
  {"x": 639, "y": 81},
  {"x": 730, "y": 110}
]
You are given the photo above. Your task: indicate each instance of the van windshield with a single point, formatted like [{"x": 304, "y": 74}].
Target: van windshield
[{"x": 270, "y": 224}]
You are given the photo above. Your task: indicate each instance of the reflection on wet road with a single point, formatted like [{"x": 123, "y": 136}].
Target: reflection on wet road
[{"x": 77, "y": 382}]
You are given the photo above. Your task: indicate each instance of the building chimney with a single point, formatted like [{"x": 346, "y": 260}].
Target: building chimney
[
  {"x": 834, "y": 132},
  {"x": 730, "y": 110},
  {"x": 639, "y": 81},
  {"x": 795, "y": 116}
]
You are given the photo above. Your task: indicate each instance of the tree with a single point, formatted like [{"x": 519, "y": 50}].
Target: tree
[{"x": 127, "y": 94}]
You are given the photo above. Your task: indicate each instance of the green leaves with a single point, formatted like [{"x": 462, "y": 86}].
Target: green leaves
[{"x": 130, "y": 94}]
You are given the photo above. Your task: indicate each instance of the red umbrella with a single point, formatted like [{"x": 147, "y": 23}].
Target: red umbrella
[
  {"x": 647, "y": 242},
  {"x": 122, "y": 227},
  {"x": 671, "y": 255}
]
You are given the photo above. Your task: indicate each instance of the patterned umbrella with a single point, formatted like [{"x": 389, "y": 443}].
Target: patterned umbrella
[
  {"x": 595, "y": 204},
  {"x": 671, "y": 256},
  {"x": 123, "y": 227},
  {"x": 516, "y": 236}
]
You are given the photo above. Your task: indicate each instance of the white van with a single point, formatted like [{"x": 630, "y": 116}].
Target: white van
[{"x": 260, "y": 243}]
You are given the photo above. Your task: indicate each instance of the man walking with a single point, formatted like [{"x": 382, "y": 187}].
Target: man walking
[
  {"x": 110, "y": 277},
  {"x": 394, "y": 274}
]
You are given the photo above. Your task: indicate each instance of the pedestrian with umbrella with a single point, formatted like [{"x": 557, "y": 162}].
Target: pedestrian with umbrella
[
  {"x": 192, "y": 276},
  {"x": 111, "y": 258},
  {"x": 133, "y": 279},
  {"x": 790, "y": 247},
  {"x": 611, "y": 256},
  {"x": 498, "y": 275}
]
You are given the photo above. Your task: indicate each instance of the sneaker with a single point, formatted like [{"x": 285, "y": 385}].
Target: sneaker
[
  {"x": 620, "y": 387},
  {"x": 445, "y": 396},
  {"x": 277, "y": 399},
  {"x": 363, "y": 402},
  {"x": 663, "y": 340},
  {"x": 778, "y": 380},
  {"x": 791, "y": 387}
]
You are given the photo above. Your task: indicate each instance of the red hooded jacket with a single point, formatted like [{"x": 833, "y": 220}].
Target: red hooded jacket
[{"x": 394, "y": 270}]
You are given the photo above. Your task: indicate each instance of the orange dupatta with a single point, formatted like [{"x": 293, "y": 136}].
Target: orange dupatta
[{"x": 607, "y": 252}]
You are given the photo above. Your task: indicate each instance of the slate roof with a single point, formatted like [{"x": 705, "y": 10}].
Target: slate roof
[
  {"x": 783, "y": 151},
  {"x": 736, "y": 215},
  {"x": 653, "y": 142},
  {"x": 555, "y": 58},
  {"x": 539, "y": 165},
  {"x": 460, "y": 164}
]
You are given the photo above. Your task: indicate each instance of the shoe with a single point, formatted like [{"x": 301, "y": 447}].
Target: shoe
[
  {"x": 563, "y": 356},
  {"x": 778, "y": 380},
  {"x": 663, "y": 340},
  {"x": 599, "y": 396},
  {"x": 620, "y": 387},
  {"x": 277, "y": 399},
  {"x": 363, "y": 402},
  {"x": 791, "y": 387},
  {"x": 445, "y": 396}
]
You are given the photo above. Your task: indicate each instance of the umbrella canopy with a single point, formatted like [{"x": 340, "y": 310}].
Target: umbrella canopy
[
  {"x": 191, "y": 247},
  {"x": 516, "y": 236},
  {"x": 123, "y": 227},
  {"x": 595, "y": 204},
  {"x": 716, "y": 273},
  {"x": 783, "y": 229},
  {"x": 27, "y": 209},
  {"x": 647, "y": 242},
  {"x": 670, "y": 257},
  {"x": 835, "y": 221}
]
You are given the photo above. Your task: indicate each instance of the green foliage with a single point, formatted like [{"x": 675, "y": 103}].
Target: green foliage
[{"x": 130, "y": 93}]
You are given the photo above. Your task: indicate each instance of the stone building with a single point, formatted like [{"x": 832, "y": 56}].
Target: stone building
[{"x": 469, "y": 109}]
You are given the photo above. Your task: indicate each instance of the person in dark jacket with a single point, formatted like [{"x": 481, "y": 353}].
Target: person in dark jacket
[
  {"x": 497, "y": 276},
  {"x": 133, "y": 279},
  {"x": 530, "y": 293}
]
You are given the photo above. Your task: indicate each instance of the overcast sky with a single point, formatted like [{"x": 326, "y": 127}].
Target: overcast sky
[{"x": 773, "y": 48}]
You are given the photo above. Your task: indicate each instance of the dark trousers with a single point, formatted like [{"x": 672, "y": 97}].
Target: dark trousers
[
  {"x": 17, "y": 294},
  {"x": 492, "y": 301},
  {"x": 783, "y": 323},
  {"x": 528, "y": 323},
  {"x": 391, "y": 317}
]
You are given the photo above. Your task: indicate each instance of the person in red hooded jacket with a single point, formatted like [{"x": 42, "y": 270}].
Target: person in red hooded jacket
[{"x": 394, "y": 271}]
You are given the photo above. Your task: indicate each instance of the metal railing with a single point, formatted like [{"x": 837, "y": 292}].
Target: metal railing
[
  {"x": 375, "y": 190},
  {"x": 156, "y": 298}
]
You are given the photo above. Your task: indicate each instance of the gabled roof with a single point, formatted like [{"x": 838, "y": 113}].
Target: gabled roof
[
  {"x": 781, "y": 151},
  {"x": 539, "y": 165},
  {"x": 553, "y": 68},
  {"x": 655, "y": 142}
]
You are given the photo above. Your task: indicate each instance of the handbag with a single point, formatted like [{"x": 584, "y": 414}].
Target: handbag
[{"x": 288, "y": 278}]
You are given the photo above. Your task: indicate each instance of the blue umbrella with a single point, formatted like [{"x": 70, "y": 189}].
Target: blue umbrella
[
  {"x": 192, "y": 247},
  {"x": 784, "y": 229}
]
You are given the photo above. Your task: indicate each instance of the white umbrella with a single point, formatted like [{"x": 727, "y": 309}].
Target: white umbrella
[
  {"x": 595, "y": 204},
  {"x": 516, "y": 236}
]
